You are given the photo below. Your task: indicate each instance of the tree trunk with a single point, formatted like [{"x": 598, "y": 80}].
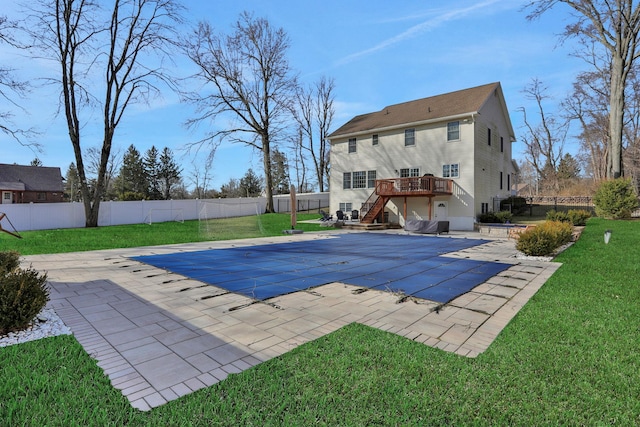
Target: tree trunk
[
  {"x": 266, "y": 160},
  {"x": 616, "y": 117}
]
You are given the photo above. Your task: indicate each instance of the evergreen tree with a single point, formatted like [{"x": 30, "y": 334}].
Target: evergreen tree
[
  {"x": 280, "y": 172},
  {"x": 152, "y": 172},
  {"x": 132, "y": 178},
  {"x": 250, "y": 184},
  {"x": 568, "y": 168},
  {"x": 168, "y": 173}
]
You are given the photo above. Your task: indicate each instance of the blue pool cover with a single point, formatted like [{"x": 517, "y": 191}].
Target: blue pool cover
[{"x": 411, "y": 265}]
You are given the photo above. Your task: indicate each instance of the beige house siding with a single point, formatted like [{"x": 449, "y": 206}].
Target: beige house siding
[{"x": 479, "y": 164}]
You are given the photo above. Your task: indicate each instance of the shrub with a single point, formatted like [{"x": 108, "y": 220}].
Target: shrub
[
  {"x": 561, "y": 216},
  {"x": 615, "y": 199},
  {"x": 494, "y": 218},
  {"x": 504, "y": 216},
  {"x": 23, "y": 294},
  {"x": 579, "y": 216},
  {"x": 544, "y": 239},
  {"x": 488, "y": 218},
  {"x": 9, "y": 261}
]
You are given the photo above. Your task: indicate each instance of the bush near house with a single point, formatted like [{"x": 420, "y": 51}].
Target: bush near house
[
  {"x": 501, "y": 217},
  {"x": 615, "y": 199},
  {"x": 23, "y": 293},
  {"x": 544, "y": 239}
]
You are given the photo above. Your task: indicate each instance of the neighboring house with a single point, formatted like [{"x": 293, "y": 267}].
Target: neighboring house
[
  {"x": 446, "y": 157},
  {"x": 27, "y": 184}
]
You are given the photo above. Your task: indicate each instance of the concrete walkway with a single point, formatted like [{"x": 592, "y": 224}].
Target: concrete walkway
[{"x": 159, "y": 336}]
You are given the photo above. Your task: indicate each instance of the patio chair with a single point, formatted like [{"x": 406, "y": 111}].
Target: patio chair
[
  {"x": 354, "y": 214},
  {"x": 325, "y": 216},
  {"x": 341, "y": 216}
]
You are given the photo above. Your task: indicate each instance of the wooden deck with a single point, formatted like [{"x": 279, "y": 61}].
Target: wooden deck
[
  {"x": 419, "y": 186},
  {"x": 414, "y": 186}
]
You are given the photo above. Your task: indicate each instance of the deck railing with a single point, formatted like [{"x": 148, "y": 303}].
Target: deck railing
[{"x": 414, "y": 186}]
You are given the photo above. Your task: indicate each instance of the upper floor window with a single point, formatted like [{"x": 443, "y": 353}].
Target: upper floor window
[
  {"x": 371, "y": 179},
  {"x": 451, "y": 171},
  {"x": 502, "y": 144},
  {"x": 409, "y": 137},
  {"x": 360, "y": 179},
  {"x": 453, "y": 131},
  {"x": 409, "y": 172},
  {"x": 346, "y": 180},
  {"x": 352, "y": 145},
  {"x": 501, "y": 179},
  {"x": 374, "y": 139},
  {"x": 488, "y": 136}
]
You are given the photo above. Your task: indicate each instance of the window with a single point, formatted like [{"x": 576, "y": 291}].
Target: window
[
  {"x": 409, "y": 137},
  {"x": 501, "y": 179},
  {"x": 489, "y": 136},
  {"x": 451, "y": 171},
  {"x": 371, "y": 179},
  {"x": 345, "y": 207},
  {"x": 502, "y": 144},
  {"x": 346, "y": 180},
  {"x": 453, "y": 131},
  {"x": 360, "y": 179},
  {"x": 374, "y": 139},
  {"x": 485, "y": 208},
  {"x": 352, "y": 145},
  {"x": 508, "y": 182},
  {"x": 409, "y": 172},
  {"x": 41, "y": 196},
  {"x": 6, "y": 195}
]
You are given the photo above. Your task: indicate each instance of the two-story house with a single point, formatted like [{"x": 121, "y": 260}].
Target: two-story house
[{"x": 446, "y": 157}]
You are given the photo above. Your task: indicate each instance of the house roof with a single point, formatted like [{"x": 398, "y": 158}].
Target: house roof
[
  {"x": 433, "y": 108},
  {"x": 30, "y": 178}
]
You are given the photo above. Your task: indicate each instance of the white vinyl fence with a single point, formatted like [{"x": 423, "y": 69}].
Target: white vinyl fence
[{"x": 46, "y": 216}]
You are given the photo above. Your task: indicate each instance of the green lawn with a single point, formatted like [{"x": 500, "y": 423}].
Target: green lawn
[
  {"x": 129, "y": 236},
  {"x": 570, "y": 357}
]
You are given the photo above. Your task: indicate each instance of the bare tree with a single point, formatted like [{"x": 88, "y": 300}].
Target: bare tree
[
  {"x": 200, "y": 178},
  {"x": 250, "y": 79},
  {"x": 614, "y": 25},
  {"x": 124, "y": 45},
  {"x": 544, "y": 141},
  {"x": 314, "y": 114},
  {"x": 12, "y": 88}
]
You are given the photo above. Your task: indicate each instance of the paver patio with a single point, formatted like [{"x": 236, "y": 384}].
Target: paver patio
[{"x": 159, "y": 335}]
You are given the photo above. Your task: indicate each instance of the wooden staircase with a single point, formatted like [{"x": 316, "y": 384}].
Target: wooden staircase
[{"x": 372, "y": 209}]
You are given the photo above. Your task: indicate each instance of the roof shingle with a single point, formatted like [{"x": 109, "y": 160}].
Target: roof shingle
[
  {"x": 466, "y": 101},
  {"x": 31, "y": 178}
]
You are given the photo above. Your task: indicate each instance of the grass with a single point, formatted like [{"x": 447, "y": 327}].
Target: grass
[
  {"x": 128, "y": 236},
  {"x": 570, "y": 357}
]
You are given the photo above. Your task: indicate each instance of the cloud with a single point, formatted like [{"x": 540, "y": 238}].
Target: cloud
[{"x": 421, "y": 28}]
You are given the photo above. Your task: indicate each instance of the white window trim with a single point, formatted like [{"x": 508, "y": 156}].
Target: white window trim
[
  {"x": 459, "y": 131},
  {"x": 449, "y": 167},
  {"x": 414, "y": 137}
]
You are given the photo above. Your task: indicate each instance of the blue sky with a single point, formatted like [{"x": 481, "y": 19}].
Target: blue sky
[{"x": 378, "y": 52}]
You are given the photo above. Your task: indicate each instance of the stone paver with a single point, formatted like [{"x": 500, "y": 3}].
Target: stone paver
[{"x": 159, "y": 336}]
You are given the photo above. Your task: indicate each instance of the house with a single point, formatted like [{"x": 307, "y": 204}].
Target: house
[
  {"x": 30, "y": 184},
  {"x": 445, "y": 158}
]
